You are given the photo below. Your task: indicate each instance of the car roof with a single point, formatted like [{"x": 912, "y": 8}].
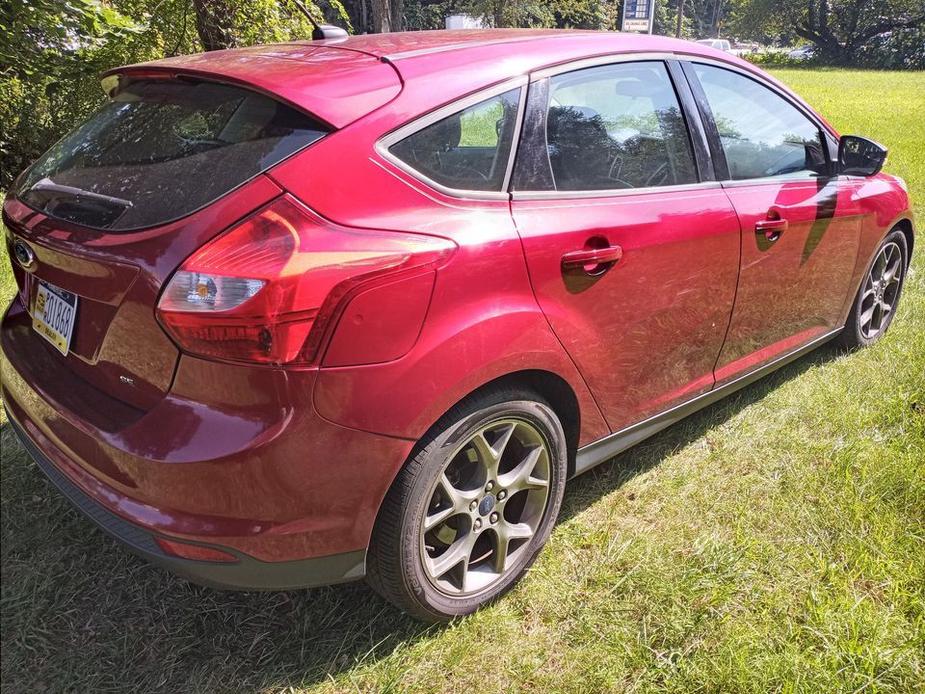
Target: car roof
[
  {"x": 534, "y": 47},
  {"x": 340, "y": 80}
]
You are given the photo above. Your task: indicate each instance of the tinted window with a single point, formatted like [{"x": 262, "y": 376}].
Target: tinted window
[
  {"x": 160, "y": 150},
  {"x": 617, "y": 126},
  {"x": 761, "y": 133},
  {"x": 468, "y": 150}
]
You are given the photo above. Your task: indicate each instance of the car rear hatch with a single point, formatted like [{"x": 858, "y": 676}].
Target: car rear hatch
[
  {"x": 115, "y": 349},
  {"x": 98, "y": 224}
]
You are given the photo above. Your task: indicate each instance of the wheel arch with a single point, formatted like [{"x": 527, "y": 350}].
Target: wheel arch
[
  {"x": 870, "y": 242},
  {"x": 552, "y": 388},
  {"x": 905, "y": 226}
]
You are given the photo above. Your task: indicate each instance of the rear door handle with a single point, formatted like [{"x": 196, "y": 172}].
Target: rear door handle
[
  {"x": 593, "y": 261},
  {"x": 771, "y": 228}
]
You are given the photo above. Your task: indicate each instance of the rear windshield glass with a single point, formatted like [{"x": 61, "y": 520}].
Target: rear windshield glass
[{"x": 160, "y": 150}]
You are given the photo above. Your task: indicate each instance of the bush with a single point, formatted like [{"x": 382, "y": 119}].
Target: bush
[{"x": 779, "y": 59}]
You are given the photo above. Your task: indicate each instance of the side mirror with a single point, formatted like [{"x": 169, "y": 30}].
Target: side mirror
[{"x": 858, "y": 156}]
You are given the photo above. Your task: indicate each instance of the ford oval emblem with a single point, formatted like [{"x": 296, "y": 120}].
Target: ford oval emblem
[
  {"x": 487, "y": 505},
  {"x": 25, "y": 256}
]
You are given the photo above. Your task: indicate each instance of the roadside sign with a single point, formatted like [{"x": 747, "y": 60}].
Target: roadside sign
[{"x": 637, "y": 16}]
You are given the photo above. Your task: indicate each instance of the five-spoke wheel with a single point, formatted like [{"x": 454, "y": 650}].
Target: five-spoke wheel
[
  {"x": 485, "y": 506},
  {"x": 471, "y": 509},
  {"x": 881, "y": 289},
  {"x": 878, "y": 296}
]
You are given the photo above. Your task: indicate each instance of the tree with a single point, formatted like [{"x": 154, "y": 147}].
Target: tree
[
  {"x": 382, "y": 16},
  {"x": 229, "y": 23},
  {"x": 50, "y": 58},
  {"x": 54, "y": 50},
  {"x": 38, "y": 33},
  {"x": 840, "y": 29},
  {"x": 564, "y": 14},
  {"x": 215, "y": 24}
]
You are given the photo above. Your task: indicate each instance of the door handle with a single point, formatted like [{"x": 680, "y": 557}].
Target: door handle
[
  {"x": 593, "y": 261},
  {"x": 771, "y": 228}
]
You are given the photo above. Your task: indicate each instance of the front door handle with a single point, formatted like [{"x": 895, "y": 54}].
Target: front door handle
[
  {"x": 771, "y": 228},
  {"x": 592, "y": 261}
]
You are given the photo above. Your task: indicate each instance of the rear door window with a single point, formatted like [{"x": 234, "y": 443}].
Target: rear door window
[
  {"x": 161, "y": 149},
  {"x": 468, "y": 150},
  {"x": 617, "y": 126}
]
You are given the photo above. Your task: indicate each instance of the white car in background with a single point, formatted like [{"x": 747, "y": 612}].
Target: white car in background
[
  {"x": 742, "y": 49},
  {"x": 718, "y": 44},
  {"x": 802, "y": 53}
]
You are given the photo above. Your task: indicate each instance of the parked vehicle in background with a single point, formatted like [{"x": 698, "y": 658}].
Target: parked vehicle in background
[
  {"x": 802, "y": 53},
  {"x": 718, "y": 44},
  {"x": 464, "y": 21},
  {"x": 743, "y": 49},
  {"x": 291, "y": 315}
]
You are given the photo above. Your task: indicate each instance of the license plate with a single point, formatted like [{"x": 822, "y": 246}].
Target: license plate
[{"x": 53, "y": 315}]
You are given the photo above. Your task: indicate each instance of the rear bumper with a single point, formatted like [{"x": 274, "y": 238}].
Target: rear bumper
[
  {"x": 233, "y": 458},
  {"x": 245, "y": 574}
]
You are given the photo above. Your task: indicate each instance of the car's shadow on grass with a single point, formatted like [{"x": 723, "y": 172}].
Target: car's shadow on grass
[{"x": 81, "y": 613}]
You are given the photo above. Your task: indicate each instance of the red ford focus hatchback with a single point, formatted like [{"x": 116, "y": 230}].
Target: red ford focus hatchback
[{"x": 292, "y": 315}]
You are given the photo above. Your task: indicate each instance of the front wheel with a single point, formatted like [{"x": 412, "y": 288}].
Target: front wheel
[
  {"x": 878, "y": 297},
  {"x": 471, "y": 509}
]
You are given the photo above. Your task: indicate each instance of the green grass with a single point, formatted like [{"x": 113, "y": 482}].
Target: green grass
[{"x": 774, "y": 542}]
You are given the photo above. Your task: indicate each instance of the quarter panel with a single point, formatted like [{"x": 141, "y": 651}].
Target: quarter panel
[{"x": 483, "y": 321}]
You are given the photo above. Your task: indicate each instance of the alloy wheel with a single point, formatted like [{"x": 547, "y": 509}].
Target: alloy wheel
[
  {"x": 485, "y": 507},
  {"x": 881, "y": 290}
]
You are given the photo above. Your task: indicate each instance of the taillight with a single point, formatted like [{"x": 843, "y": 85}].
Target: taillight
[{"x": 266, "y": 290}]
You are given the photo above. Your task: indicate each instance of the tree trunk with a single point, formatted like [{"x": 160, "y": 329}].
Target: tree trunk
[
  {"x": 680, "y": 18},
  {"x": 382, "y": 16},
  {"x": 715, "y": 22},
  {"x": 214, "y": 24},
  {"x": 398, "y": 8}
]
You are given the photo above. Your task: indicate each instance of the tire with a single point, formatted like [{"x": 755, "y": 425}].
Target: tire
[
  {"x": 472, "y": 514},
  {"x": 868, "y": 321}
]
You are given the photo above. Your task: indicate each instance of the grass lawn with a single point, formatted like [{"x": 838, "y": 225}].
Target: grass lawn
[{"x": 773, "y": 542}]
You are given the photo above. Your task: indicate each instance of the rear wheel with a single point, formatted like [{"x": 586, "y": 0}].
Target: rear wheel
[
  {"x": 878, "y": 297},
  {"x": 472, "y": 508}
]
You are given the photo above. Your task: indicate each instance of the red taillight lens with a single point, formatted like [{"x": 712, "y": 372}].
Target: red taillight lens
[{"x": 266, "y": 290}]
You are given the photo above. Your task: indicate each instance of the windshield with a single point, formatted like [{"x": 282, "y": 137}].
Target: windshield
[{"x": 161, "y": 149}]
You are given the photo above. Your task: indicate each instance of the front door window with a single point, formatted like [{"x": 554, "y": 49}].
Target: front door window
[{"x": 761, "y": 134}]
